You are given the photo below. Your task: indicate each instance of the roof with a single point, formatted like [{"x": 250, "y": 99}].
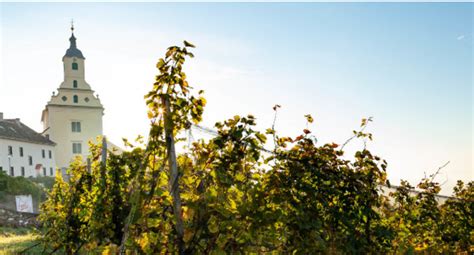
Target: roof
[
  {"x": 73, "y": 51},
  {"x": 13, "y": 129}
]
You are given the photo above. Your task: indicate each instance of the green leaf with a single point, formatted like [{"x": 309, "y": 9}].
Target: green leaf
[
  {"x": 160, "y": 63},
  {"x": 212, "y": 225},
  {"x": 188, "y": 44},
  {"x": 270, "y": 131},
  {"x": 261, "y": 137}
]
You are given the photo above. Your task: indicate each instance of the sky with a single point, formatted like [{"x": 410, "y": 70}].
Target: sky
[{"x": 407, "y": 65}]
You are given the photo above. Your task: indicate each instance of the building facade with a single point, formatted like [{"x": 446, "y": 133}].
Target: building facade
[
  {"x": 24, "y": 152},
  {"x": 73, "y": 116}
]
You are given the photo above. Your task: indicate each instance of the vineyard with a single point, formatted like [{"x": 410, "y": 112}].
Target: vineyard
[{"x": 226, "y": 195}]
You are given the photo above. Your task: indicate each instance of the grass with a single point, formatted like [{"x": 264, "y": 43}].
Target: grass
[{"x": 16, "y": 240}]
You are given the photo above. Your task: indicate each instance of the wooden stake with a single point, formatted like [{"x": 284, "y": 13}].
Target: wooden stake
[{"x": 173, "y": 183}]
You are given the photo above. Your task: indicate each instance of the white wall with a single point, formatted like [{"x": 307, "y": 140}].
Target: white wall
[
  {"x": 29, "y": 149},
  {"x": 60, "y": 131},
  {"x": 386, "y": 191},
  {"x": 69, "y": 73}
]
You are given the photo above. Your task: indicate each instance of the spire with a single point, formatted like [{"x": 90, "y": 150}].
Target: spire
[
  {"x": 72, "y": 40},
  {"x": 73, "y": 51}
]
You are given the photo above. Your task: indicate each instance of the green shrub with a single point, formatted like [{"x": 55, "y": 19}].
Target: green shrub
[{"x": 21, "y": 186}]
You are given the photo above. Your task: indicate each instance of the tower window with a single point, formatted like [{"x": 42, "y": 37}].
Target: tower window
[
  {"x": 75, "y": 99},
  {"x": 75, "y": 66},
  {"x": 76, "y": 126},
  {"x": 74, "y": 84},
  {"x": 76, "y": 148}
]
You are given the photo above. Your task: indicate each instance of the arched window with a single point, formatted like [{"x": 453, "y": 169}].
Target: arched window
[
  {"x": 74, "y": 84},
  {"x": 75, "y": 99},
  {"x": 74, "y": 66}
]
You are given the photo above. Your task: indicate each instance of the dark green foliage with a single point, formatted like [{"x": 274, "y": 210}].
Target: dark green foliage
[
  {"x": 46, "y": 181},
  {"x": 457, "y": 223},
  {"x": 22, "y": 186}
]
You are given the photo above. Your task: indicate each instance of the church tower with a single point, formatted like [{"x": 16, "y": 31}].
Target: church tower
[{"x": 73, "y": 116}]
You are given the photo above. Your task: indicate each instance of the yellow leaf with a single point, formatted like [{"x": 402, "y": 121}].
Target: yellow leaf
[
  {"x": 110, "y": 249},
  {"x": 232, "y": 204},
  {"x": 188, "y": 234},
  {"x": 143, "y": 242},
  {"x": 240, "y": 177},
  {"x": 150, "y": 114}
]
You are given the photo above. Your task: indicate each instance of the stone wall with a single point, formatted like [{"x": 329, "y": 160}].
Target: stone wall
[{"x": 11, "y": 218}]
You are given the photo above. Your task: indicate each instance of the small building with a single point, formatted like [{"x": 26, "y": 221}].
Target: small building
[{"x": 23, "y": 151}]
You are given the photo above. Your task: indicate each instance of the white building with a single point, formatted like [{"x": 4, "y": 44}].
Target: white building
[
  {"x": 73, "y": 116},
  {"x": 441, "y": 199},
  {"x": 24, "y": 152}
]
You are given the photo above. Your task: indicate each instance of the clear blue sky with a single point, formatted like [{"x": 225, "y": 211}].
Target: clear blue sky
[{"x": 408, "y": 65}]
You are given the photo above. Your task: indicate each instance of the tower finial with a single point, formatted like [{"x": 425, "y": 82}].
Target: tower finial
[{"x": 73, "y": 51}]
